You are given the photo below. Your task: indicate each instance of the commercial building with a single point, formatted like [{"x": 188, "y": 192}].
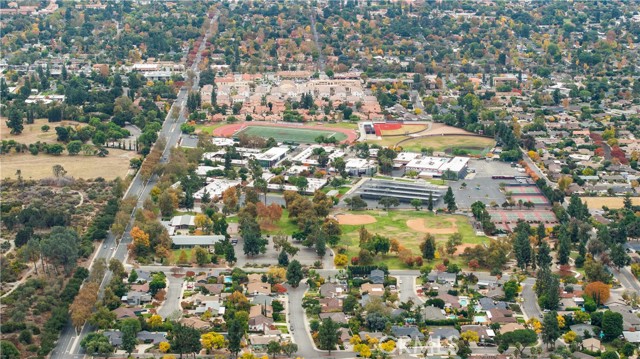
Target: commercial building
[
  {"x": 360, "y": 166},
  {"x": 404, "y": 191},
  {"x": 192, "y": 241},
  {"x": 437, "y": 166},
  {"x": 215, "y": 188},
  {"x": 272, "y": 156}
]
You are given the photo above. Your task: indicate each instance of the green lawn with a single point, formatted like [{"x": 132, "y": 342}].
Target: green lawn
[
  {"x": 304, "y": 135},
  {"x": 176, "y": 255},
  {"x": 347, "y": 125},
  {"x": 393, "y": 224},
  {"x": 284, "y": 225},
  {"x": 208, "y": 128},
  {"x": 475, "y": 145}
]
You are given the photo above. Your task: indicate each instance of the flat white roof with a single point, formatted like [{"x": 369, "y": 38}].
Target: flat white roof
[
  {"x": 428, "y": 163},
  {"x": 456, "y": 164},
  {"x": 216, "y": 187},
  {"x": 273, "y": 153}
]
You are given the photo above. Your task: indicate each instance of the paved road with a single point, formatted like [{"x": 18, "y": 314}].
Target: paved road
[
  {"x": 530, "y": 306},
  {"x": 407, "y": 287},
  {"x": 536, "y": 169},
  {"x": 299, "y": 325},
  {"x": 68, "y": 345},
  {"x": 171, "y": 302},
  {"x": 316, "y": 39}
]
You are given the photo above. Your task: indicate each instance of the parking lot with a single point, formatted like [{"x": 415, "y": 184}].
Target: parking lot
[{"x": 480, "y": 186}]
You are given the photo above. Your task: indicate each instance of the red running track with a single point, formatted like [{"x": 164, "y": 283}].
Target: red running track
[{"x": 379, "y": 127}]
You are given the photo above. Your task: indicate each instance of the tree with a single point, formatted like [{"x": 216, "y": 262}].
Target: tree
[
  {"x": 167, "y": 202},
  {"x": 598, "y": 291},
  {"x": 253, "y": 241},
  {"x": 328, "y": 334},
  {"x": 133, "y": 276},
  {"x": 235, "y": 332},
  {"x": 522, "y": 246},
  {"x": 82, "y": 306},
  {"x": 58, "y": 171},
  {"x": 129, "y": 328},
  {"x": 14, "y": 121},
  {"x": 201, "y": 254},
  {"x": 294, "y": 273},
  {"x": 454, "y": 241},
  {"x": 430, "y": 202},
  {"x": 60, "y": 248},
  {"x": 289, "y": 348},
  {"x": 510, "y": 290},
  {"x": 103, "y": 318},
  {"x": 619, "y": 257},
  {"x": 212, "y": 340},
  {"x": 450, "y": 200},
  {"x": 74, "y": 147},
  {"x": 94, "y": 343},
  {"x": 184, "y": 339},
  {"x": 428, "y": 247},
  {"x": 543, "y": 258},
  {"x": 520, "y": 338},
  {"x": 470, "y": 336},
  {"x": 273, "y": 348},
  {"x": 551, "y": 327},
  {"x": 283, "y": 258},
  {"x": 611, "y": 325},
  {"x": 387, "y": 202},
  {"x": 154, "y": 321},
  {"x": 355, "y": 203},
  {"x": 564, "y": 250},
  {"x": 9, "y": 350}
]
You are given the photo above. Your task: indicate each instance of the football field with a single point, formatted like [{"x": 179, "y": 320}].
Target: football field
[{"x": 282, "y": 134}]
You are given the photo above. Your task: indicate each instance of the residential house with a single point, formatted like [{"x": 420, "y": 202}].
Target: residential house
[
  {"x": 501, "y": 316},
  {"x": 450, "y": 301},
  {"x": 260, "y": 323},
  {"x": 482, "y": 331},
  {"x": 433, "y": 313},
  {"x": 581, "y": 329},
  {"x": 124, "y": 313},
  {"x": 259, "y": 342},
  {"x": 445, "y": 333},
  {"x": 257, "y": 310},
  {"x": 114, "y": 336},
  {"x": 328, "y": 305},
  {"x": 256, "y": 288},
  {"x": 372, "y": 289},
  {"x": 408, "y": 331},
  {"x": 510, "y": 327},
  {"x": 136, "y": 298},
  {"x": 337, "y": 317},
  {"x": 144, "y": 287},
  {"x": 631, "y": 337},
  {"x": 262, "y": 300},
  {"x": 592, "y": 344},
  {"x": 332, "y": 290},
  {"x": 376, "y": 276},
  {"x": 195, "y": 323},
  {"x": 488, "y": 304},
  {"x": 152, "y": 337}
]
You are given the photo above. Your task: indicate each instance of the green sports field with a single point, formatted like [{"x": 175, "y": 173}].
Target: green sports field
[{"x": 281, "y": 134}]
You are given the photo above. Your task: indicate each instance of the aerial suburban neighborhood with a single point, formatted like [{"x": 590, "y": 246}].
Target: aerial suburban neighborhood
[{"x": 319, "y": 179}]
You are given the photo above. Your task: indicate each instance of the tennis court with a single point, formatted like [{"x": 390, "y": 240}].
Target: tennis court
[
  {"x": 282, "y": 134},
  {"x": 509, "y": 218},
  {"x": 518, "y": 189},
  {"x": 537, "y": 199}
]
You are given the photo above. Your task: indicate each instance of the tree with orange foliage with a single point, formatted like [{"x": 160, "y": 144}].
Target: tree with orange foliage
[
  {"x": 599, "y": 291},
  {"x": 141, "y": 244}
]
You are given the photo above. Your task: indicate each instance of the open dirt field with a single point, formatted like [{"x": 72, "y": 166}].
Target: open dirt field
[
  {"x": 355, "y": 219},
  {"x": 441, "y": 227},
  {"x": 116, "y": 164},
  {"x": 611, "y": 202},
  {"x": 32, "y": 133}
]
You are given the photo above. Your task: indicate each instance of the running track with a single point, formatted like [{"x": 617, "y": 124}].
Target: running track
[{"x": 230, "y": 130}]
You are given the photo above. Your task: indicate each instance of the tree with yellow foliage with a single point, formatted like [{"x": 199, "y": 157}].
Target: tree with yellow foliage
[
  {"x": 154, "y": 321},
  {"x": 169, "y": 356},
  {"x": 212, "y": 340},
  {"x": 340, "y": 260},
  {"x": 277, "y": 274},
  {"x": 363, "y": 350},
  {"x": 372, "y": 341},
  {"x": 470, "y": 336},
  {"x": 570, "y": 337},
  {"x": 141, "y": 244},
  {"x": 388, "y": 346},
  {"x": 164, "y": 346},
  {"x": 355, "y": 340},
  {"x": 535, "y": 324}
]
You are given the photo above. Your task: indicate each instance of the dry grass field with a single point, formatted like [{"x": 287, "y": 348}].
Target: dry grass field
[
  {"x": 116, "y": 164},
  {"x": 32, "y": 133},
  {"x": 611, "y": 202}
]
